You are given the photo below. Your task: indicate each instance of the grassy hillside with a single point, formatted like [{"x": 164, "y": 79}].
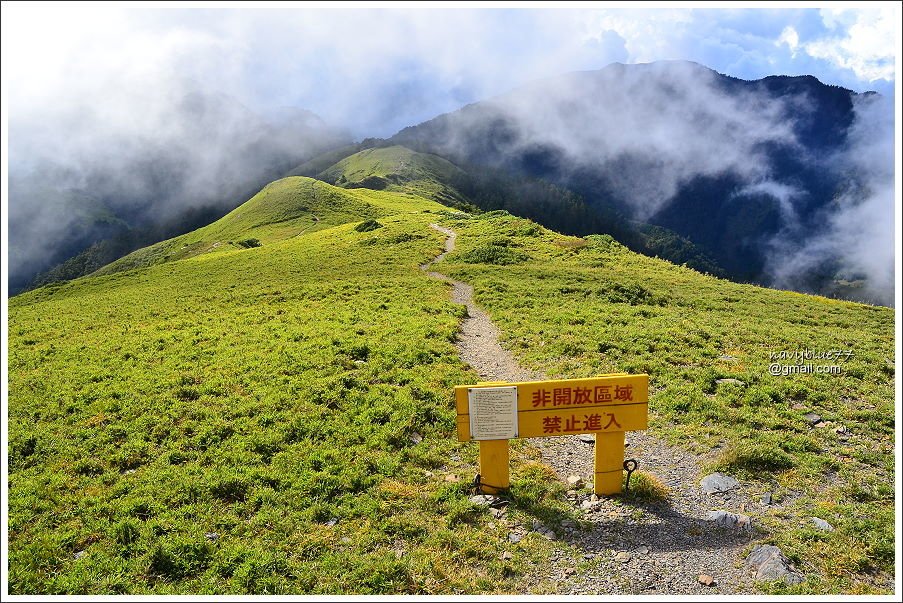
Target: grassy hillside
[
  {"x": 283, "y": 209},
  {"x": 280, "y": 419},
  {"x": 578, "y": 307},
  {"x": 397, "y": 168},
  {"x": 273, "y": 419}
]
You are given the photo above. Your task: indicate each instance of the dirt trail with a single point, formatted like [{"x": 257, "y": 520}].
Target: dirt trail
[{"x": 625, "y": 547}]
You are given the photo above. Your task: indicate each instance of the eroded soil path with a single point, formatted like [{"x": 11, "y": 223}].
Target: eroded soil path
[{"x": 623, "y": 547}]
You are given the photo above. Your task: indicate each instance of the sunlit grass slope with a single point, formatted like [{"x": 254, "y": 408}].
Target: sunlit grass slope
[
  {"x": 397, "y": 168},
  {"x": 263, "y": 419},
  {"x": 283, "y": 209},
  {"x": 578, "y": 307},
  {"x": 253, "y": 421}
]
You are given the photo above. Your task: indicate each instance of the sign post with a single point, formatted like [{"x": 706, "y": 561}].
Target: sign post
[{"x": 607, "y": 406}]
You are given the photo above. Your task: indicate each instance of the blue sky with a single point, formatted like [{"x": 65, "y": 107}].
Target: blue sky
[{"x": 377, "y": 70}]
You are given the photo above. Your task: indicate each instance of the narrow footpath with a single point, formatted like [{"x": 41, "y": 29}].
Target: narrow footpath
[{"x": 627, "y": 547}]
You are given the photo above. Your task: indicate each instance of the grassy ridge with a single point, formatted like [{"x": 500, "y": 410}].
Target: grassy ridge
[
  {"x": 283, "y": 209},
  {"x": 578, "y": 307},
  {"x": 399, "y": 169},
  {"x": 251, "y": 421}
]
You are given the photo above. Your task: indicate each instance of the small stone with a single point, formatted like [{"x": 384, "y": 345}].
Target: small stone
[
  {"x": 569, "y": 571},
  {"x": 725, "y": 381},
  {"x": 346, "y": 539},
  {"x": 811, "y": 418},
  {"x": 331, "y": 522},
  {"x": 623, "y": 557},
  {"x": 568, "y": 523},
  {"x": 483, "y": 500},
  {"x": 428, "y": 473},
  {"x": 798, "y": 406},
  {"x": 770, "y": 564},
  {"x": 497, "y": 513},
  {"x": 643, "y": 550},
  {"x": 514, "y": 537},
  {"x": 398, "y": 553},
  {"x": 819, "y": 425},
  {"x": 715, "y": 483},
  {"x": 213, "y": 536},
  {"x": 506, "y": 556},
  {"x": 416, "y": 438},
  {"x": 766, "y": 498},
  {"x": 706, "y": 580},
  {"x": 575, "y": 481},
  {"x": 593, "y": 498},
  {"x": 821, "y": 524},
  {"x": 128, "y": 471},
  {"x": 730, "y": 520},
  {"x": 571, "y": 494},
  {"x": 588, "y": 556},
  {"x": 80, "y": 554},
  {"x": 587, "y": 438},
  {"x": 452, "y": 478}
]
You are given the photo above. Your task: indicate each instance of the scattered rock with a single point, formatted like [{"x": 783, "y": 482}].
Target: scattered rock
[
  {"x": 452, "y": 478},
  {"x": 497, "y": 513},
  {"x": 718, "y": 482},
  {"x": 483, "y": 500},
  {"x": 590, "y": 505},
  {"x": 568, "y": 523},
  {"x": 821, "y": 524},
  {"x": 727, "y": 357},
  {"x": 798, "y": 406},
  {"x": 643, "y": 550},
  {"x": 588, "y": 556},
  {"x": 820, "y": 424},
  {"x": 80, "y": 554},
  {"x": 398, "y": 553},
  {"x": 593, "y": 498},
  {"x": 706, "y": 580},
  {"x": 506, "y": 556},
  {"x": 623, "y": 557},
  {"x": 212, "y": 536},
  {"x": 128, "y": 471},
  {"x": 514, "y": 537},
  {"x": 331, "y": 522},
  {"x": 428, "y": 473},
  {"x": 416, "y": 438},
  {"x": 812, "y": 418},
  {"x": 575, "y": 481},
  {"x": 770, "y": 564},
  {"x": 735, "y": 381},
  {"x": 767, "y": 498},
  {"x": 571, "y": 494},
  {"x": 569, "y": 571},
  {"x": 726, "y": 519},
  {"x": 587, "y": 438}
]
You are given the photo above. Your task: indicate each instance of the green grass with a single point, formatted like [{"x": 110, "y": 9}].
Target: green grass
[
  {"x": 398, "y": 169},
  {"x": 579, "y": 307},
  {"x": 274, "y": 396}
]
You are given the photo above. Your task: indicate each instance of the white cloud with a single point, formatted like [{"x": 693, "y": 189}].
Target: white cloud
[
  {"x": 867, "y": 46},
  {"x": 790, "y": 38}
]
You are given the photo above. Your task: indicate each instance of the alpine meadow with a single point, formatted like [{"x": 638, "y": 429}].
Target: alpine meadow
[{"x": 235, "y": 328}]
